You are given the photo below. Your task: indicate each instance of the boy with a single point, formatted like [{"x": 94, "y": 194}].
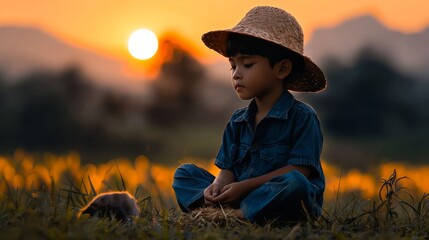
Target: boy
[{"x": 270, "y": 152}]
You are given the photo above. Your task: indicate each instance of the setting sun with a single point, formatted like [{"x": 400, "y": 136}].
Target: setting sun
[{"x": 142, "y": 44}]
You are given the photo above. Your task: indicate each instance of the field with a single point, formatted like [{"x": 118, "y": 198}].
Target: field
[{"x": 40, "y": 196}]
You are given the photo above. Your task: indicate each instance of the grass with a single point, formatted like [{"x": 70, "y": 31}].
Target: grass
[{"x": 49, "y": 212}]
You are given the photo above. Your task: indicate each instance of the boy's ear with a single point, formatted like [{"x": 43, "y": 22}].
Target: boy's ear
[{"x": 284, "y": 67}]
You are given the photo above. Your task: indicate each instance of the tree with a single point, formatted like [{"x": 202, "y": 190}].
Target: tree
[
  {"x": 370, "y": 98},
  {"x": 175, "y": 91}
]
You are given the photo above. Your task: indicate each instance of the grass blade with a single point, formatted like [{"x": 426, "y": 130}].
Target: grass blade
[{"x": 122, "y": 179}]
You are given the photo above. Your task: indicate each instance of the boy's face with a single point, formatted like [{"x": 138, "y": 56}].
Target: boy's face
[{"x": 252, "y": 76}]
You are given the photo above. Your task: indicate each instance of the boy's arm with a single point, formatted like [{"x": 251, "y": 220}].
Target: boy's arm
[
  {"x": 253, "y": 183},
  {"x": 235, "y": 191},
  {"x": 224, "y": 178}
]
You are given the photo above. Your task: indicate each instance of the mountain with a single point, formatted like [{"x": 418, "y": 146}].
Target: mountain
[
  {"x": 25, "y": 49},
  {"x": 409, "y": 52}
]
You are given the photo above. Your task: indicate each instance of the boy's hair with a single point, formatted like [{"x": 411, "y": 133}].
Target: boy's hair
[{"x": 248, "y": 45}]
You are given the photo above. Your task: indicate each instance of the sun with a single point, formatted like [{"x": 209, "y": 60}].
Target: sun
[{"x": 142, "y": 44}]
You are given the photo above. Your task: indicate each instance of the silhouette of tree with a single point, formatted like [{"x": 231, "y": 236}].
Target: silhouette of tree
[
  {"x": 175, "y": 91},
  {"x": 369, "y": 98},
  {"x": 370, "y": 111},
  {"x": 63, "y": 111}
]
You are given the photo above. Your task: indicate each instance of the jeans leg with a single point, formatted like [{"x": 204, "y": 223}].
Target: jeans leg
[
  {"x": 189, "y": 184},
  {"x": 283, "y": 198}
]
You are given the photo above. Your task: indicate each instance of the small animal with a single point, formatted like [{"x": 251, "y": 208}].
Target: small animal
[{"x": 119, "y": 205}]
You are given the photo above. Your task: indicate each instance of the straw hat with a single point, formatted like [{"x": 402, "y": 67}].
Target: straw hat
[{"x": 277, "y": 26}]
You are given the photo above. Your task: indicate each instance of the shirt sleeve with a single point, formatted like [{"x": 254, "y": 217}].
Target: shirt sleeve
[
  {"x": 223, "y": 159},
  {"x": 307, "y": 143}
]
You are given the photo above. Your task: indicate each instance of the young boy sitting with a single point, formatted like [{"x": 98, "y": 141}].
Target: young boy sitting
[{"x": 270, "y": 152}]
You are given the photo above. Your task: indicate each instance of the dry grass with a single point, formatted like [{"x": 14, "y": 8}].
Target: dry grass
[{"x": 210, "y": 216}]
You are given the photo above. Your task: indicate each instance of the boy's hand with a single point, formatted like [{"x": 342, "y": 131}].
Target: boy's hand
[
  {"x": 232, "y": 193},
  {"x": 211, "y": 192}
]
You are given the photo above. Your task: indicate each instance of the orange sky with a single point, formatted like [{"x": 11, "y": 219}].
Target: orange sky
[{"x": 104, "y": 25}]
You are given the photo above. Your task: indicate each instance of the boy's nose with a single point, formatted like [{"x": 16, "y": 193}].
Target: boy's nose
[{"x": 236, "y": 75}]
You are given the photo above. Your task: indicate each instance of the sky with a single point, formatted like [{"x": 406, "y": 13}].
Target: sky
[{"x": 105, "y": 25}]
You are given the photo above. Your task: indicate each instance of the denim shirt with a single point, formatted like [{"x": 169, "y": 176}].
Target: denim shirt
[{"x": 289, "y": 134}]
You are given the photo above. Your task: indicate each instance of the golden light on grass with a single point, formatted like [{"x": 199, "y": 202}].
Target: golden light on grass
[
  {"x": 143, "y": 44},
  {"x": 22, "y": 170},
  {"x": 353, "y": 180}
]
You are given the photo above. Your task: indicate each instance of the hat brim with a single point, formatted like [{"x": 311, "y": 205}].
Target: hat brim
[{"x": 312, "y": 80}]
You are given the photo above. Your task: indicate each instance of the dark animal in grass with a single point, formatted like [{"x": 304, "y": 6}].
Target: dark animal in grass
[{"x": 119, "y": 205}]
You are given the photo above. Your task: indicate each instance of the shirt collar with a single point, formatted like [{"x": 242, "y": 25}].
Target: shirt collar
[{"x": 280, "y": 109}]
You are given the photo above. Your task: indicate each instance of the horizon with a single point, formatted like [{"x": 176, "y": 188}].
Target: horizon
[
  {"x": 105, "y": 27},
  {"x": 205, "y": 55},
  {"x": 136, "y": 69}
]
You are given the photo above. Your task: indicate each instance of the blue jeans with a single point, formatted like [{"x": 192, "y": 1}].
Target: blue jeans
[{"x": 289, "y": 197}]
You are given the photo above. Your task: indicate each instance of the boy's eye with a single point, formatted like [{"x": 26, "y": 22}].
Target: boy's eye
[{"x": 248, "y": 65}]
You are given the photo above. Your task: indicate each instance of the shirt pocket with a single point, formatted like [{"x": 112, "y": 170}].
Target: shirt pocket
[
  {"x": 238, "y": 154},
  {"x": 239, "y": 157},
  {"x": 276, "y": 155}
]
